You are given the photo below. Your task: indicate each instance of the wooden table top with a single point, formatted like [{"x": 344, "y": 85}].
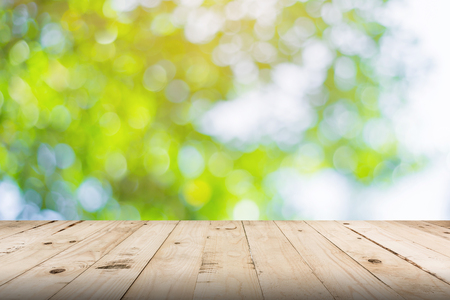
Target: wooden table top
[{"x": 225, "y": 260}]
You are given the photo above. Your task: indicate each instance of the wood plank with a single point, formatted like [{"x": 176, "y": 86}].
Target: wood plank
[
  {"x": 428, "y": 227},
  {"x": 244, "y": 260},
  {"x": 406, "y": 279},
  {"x": 282, "y": 272},
  {"x": 46, "y": 247},
  {"x": 342, "y": 276},
  {"x": 445, "y": 224},
  {"x": 172, "y": 272},
  {"x": 8, "y": 222},
  {"x": 113, "y": 274},
  {"x": 22, "y": 239},
  {"x": 227, "y": 270},
  {"x": 427, "y": 259},
  {"x": 8, "y": 228},
  {"x": 415, "y": 235},
  {"x": 46, "y": 279}
]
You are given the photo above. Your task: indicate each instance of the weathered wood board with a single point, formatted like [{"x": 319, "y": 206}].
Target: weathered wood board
[{"x": 224, "y": 260}]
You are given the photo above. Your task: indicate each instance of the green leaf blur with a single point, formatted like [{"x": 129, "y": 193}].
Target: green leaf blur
[{"x": 101, "y": 101}]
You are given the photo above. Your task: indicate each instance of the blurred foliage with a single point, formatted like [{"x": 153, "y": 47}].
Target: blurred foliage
[{"x": 99, "y": 101}]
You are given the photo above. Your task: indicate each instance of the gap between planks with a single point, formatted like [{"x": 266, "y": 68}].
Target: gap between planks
[
  {"x": 112, "y": 275},
  {"x": 424, "y": 258},
  {"x": 47, "y": 278},
  {"x": 241, "y": 246},
  {"x": 9, "y": 228},
  {"x": 436, "y": 230},
  {"x": 400, "y": 275},
  {"x": 29, "y": 248},
  {"x": 344, "y": 277}
]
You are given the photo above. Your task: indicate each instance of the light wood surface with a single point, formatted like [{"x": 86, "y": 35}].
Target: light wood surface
[
  {"x": 402, "y": 276},
  {"x": 423, "y": 257},
  {"x": 8, "y": 228},
  {"x": 279, "y": 266},
  {"x": 417, "y": 236},
  {"x": 172, "y": 273},
  {"x": 224, "y": 260},
  {"x": 58, "y": 271},
  {"x": 112, "y": 275},
  {"x": 342, "y": 276},
  {"x": 445, "y": 224},
  {"x": 428, "y": 227},
  {"x": 227, "y": 270}
]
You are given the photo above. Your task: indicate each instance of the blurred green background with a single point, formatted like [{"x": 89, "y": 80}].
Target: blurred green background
[{"x": 190, "y": 109}]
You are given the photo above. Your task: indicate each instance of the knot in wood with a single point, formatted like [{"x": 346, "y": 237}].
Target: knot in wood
[{"x": 375, "y": 261}]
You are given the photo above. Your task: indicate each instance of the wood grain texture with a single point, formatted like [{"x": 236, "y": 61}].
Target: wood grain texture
[
  {"x": 424, "y": 258},
  {"x": 8, "y": 228},
  {"x": 49, "y": 277},
  {"x": 44, "y": 248},
  {"x": 417, "y": 236},
  {"x": 227, "y": 270},
  {"x": 113, "y": 274},
  {"x": 172, "y": 273},
  {"x": 445, "y": 224},
  {"x": 344, "y": 277},
  {"x": 282, "y": 272},
  {"x": 406, "y": 279},
  {"x": 428, "y": 227},
  {"x": 22, "y": 239},
  {"x": 224, "y": 260}
]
